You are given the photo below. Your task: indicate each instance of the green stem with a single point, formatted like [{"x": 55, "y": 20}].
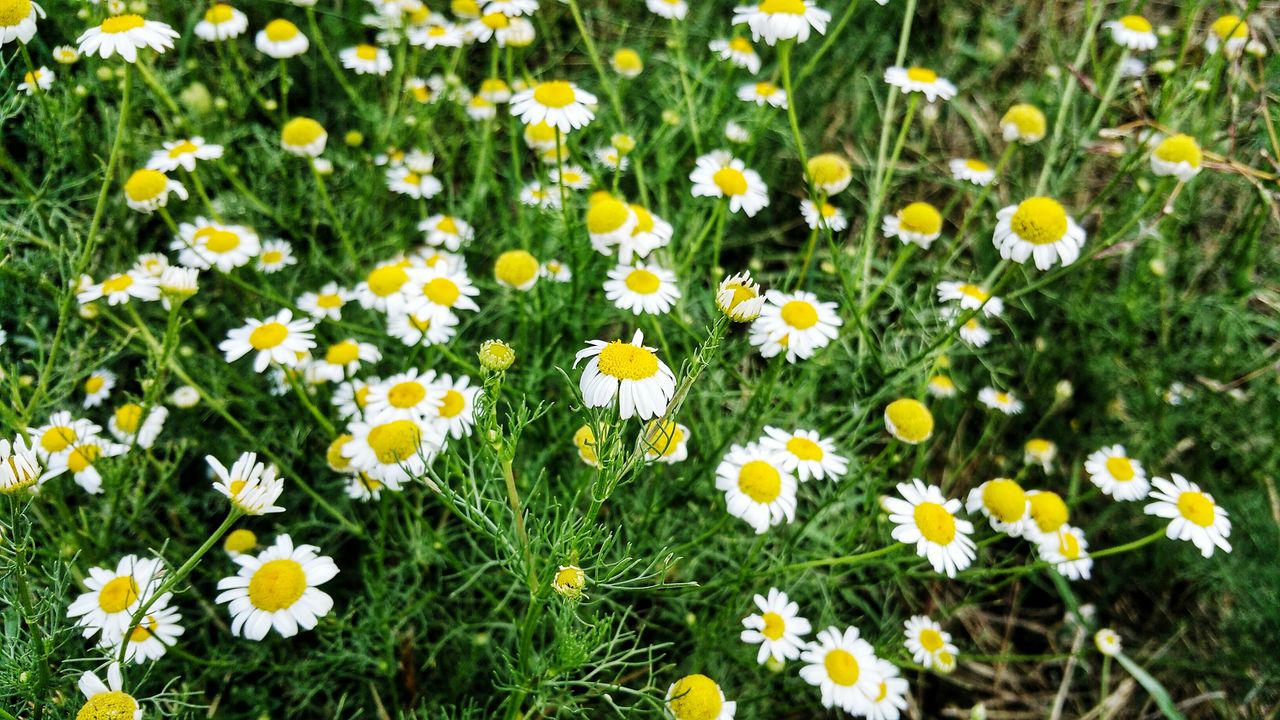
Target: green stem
[{"x": 784, "y": 58}]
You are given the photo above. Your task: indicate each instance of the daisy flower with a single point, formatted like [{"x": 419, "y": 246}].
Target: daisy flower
[
  {"x": 571, "y": 176},
  {"x": 19, "y": 466},
  {"x": 403, "y": 396},
  {"x": 65, "y": 54},
  {"x": 403, "y": 181},
  {"x": 119, "y": 288},
  {"x": 1000, "y": 400},
  {"x": 1004, "y": 503},
  {"x": 393, "y": 451},
  {"x": 829, "y": 216},
  {"x": 125, "y": 35},
  {"x": 628, "y": 372},
  {"x": 441, "y": 290},
  {"x": 1038, "y": 227},
  {"x": 516, "y": 269},
  {"x": 556, "y": 271},
  {"x": 558, "y": 103},
  {"x": 569, "y": 581},
  {"x": 151, "y": 639},
  {"x": 536, "y": 195},
  {"x": 277, "y": 589},
  {"x": 611, "y": 158},
  {"x": 739, "y": 297},
  {"x": 970, "y": 297},
  {"x": 972, "y": 171},
  {"x": 665, "y": 441},
  {"x": 115, "y": 595},
  {"x": 251, "y": 486},
  {"x": 303, "y": 137},
  {"x": 366, "y": 59},
  {"x": 1047, "y": 513},
  {"x": 1023, "y": 123},
  {"x": 151, "y": 264},
  {"x": 776, "y": 20},
  {"x": 511, "y": 8},
  {"x": 276, "y": 255},
  {"x": 204, "y": 244},
  {"x": 843, "y": 666},
  {"x": 343, "y": 359},
  {"x": 643, "y": 288},
  {"x": 720, "y": 175},
  {"x": 1177, "y": 155},
  {"x": 183, "y": 154},
  {"x": 1107, "y": 642},
  {"x": 39, "y": 81},
  {"x": 352, "y": 396},
  {"x": 1133, "y": 32},
  {"x": 908, "y": 420},
  {"x": 763, "y": 93},
  {"x": 1039, "y": 451},
  {"x": 1116, "y": 474},
  {"x": 697, "y": 697},
  {"x": 423, "y": 327},
  {"x": 1067, "y": 550},
  {"x": 627, "y": 63},
  {"x": 325, "y": 303},
  {"x": 1196, "y": 517},
  {"x": 805, "y": 453},
  {"x": 281, "y": 39},
  {"x": 941, "y": 386},
  {"x": 107, "y": 700},
  {"x": 921, "y": 80},
  {"x": 456, "y": 414},
  {"x": 928, "y": 519},
  {"x": 609, "y": 222},
  {"x": 97, "y": 387},
  {"x": 433, "y": 35},
  {"x": 133, "y": 424},
  {"x": 279, "y": 339},
  {"x": 972, "y": 332},
  {"x": 756, "y": 487},
  {"x": 61, "y": 433},
  {"x": 778, "y": 628},
  {"x": 221, "y": 22},
  {"x": 738, "y": 51},
  {"x": 891, "y": 702},
  {"x": 148, "y": 190},
  {"x": 918, "y": 223},
  {"x": 925, "y": 640},
  {"x": 669, "y": 9},
  {"x": 797, "y": 323},
  {"x": 18, "y": 21},
  {"x": 829, "y": 173},
  {"x": 447, "y": 231},
  {"x": 542, "y": 136},
  {"x": 1229, "y": 32},
  {"x": 585, "y": 440},
  {"x": 386, "y": 287}
]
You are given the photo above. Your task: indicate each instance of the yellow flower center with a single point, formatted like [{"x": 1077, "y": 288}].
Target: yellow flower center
[
  {"x": 82, "y": 457},
  {"x": 442, "y": 291},
  {"x": 118, "y": 594},
  {"x": 496, "y": 21},
  {"x": 782, "y": 7},
  {"x": 240, "y": 541},
  {"x": 976, "y": 165},
  {"x": 329, "y": 300},
  {"x": 642, "y": 281},
  {"x": 277, "y": 585},
  {"x": 113, "y": 705},
  {"x": 143, "y": 631},
  {"x": 1039, "y": 221},
  {"x": 628, "y": 59},
  {"x": 644, "y": 220},
  {"x": 362, "y": 396},
  {"x": 58, "y": 438},
  {"x": 1230, "y": 27},
  {"x": 1049, "y": 511},
  {"x": 627, "y": 362},
  {"x": 333, "y": 454},
  {"x": 921, "y": 75},
  {"x": 447, "y": 225},
  {"x": 741, "y": 293},
  {"x": 931, "y": 640},
  {"x": 117, "y": 283},
  {"x": 695, "y": 697},
  {"x": 804, "y": 448},
  {"x": 1005, "y": 500},
  {"x": 94, "y": 384},
  {"x": 799, "y": 314},
  {"x": 912, "y": 422},
  {"x": 841, "y": 667},
  {"x": 766, "y": 89},
  {"x": 554, "y": 94},
  {"x": 974, "y": 292},
  {"x": 271, "y": 257},
  {"x": 347, "y": 351},
  {"x": 1039, "y": 447},
  {"x": 366, "y": 52},
  {"x": 1136, "y": 23},
  {"x": 186, "y": 147},
  {"x": 606, "y": 216},
  {"x": 730, "y": 181},
  {"x": 760, "y": 481},
  {"x": 920, "y": 217},
  {"x": 406, "y": 394},
  {"x": 128, "y": 417},
  {"x": 387, "y": 280},
  {"x": 300, "y": 132},
  {"x": 267, "y": 336},
  {"x": 515, "y": 267},
  {"x": 585, "y": 440},
  {"x": 121, "y": 23},
  {"x": 1120, "y": 469},
  {"x": 13, "y": 12},
  {"x": 741, "y": 45},
  {"x": 570, "y": 577},
  {"x": 279, "y": 30},
  {"x": 935, "y": 523},
  {"x": 219, "y": 14},
  {"x": 1068, "y": 545},
  {"x": 145, "y": 185},
  {"x": 774, "y": 625},
  {"x": 453, "y": 404},
  {"x": 1195, "y": 507},
  {"x": 1028, "y": 119},
  {"x": 218, "y": 241},
  {"x": 1179, "y": 148},
  {"x": 420, "y": 324},
  {"x": 664, "y": 438}
]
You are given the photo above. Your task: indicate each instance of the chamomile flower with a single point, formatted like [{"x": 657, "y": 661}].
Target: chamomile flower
[
  {"x": 1107, "y": 642},
  {"x": 972, "y": 171},
  {"x": 366, "y": 59},
  {"x": 251, "y": 486},
  {"x": 403, "y": 181},
  {"x": 556, "y": 271},
  {"x": 918, "y": 223},
  {"x": 970, "y": 297},
  {"x": 805, "y": 453},
  {"x": 543, "y": 136},
  {"x": 1068, "y": 552},
  {"x": 352, "y": 396},
  {"x": 535, "y": 194},
  {"x": 921, "y": 80},
  {"x": 643, "y": 288},
  {"x": 447, "y": 231},
  {"x": 611, "y": 158},
  {"x": 19, "y": 466},
  {"x": 277, "y": 339},
  {"x": 739, "y": 297},
  {"x": 797, "y": 323},
  {"x": 516, "y": 269},
  {"x": 558, "y": 103},
  {"x": 38, "y": 81},
  {"x": 697, "y": 697},
  {"x": 627, "y": 63},
  {"x": 1038, "y": 228},
  {"x": 423, "y": 326},
  {"x": 926, "y": 518},
  {"x": 278, "y": 589},
  {"x": 97, "y": 387},
  {"x": 148, "y": 190},
  {"x": 133, "y": 424},
  {"x": 738, "y": 50},
  {"x": 18, "y": 21},
  {"x": 325, "y": 303},
  {"x": 941, "y": 386},
  {"x": 436, "y": 34},
  {"x": 65, "y": 54},
  {"x": 572, "y": 177},
  {"x": 585, "y": 440},
  {"x": 669, "y": 9},
  {"x": 404, "y": 396},
  {"x": 1047, "y": 513},
  {"x": 763, "y": 93},
  {"x": 125, "y": 35},
  {"x": 183, "y": 154},
  {"x": 281, "y": 39},
  {"x": 1194, "y": 514},
  {"x": 393, "y": 451},
  {"x": 114, "y": 595},
  {"x": 569, "y": 581},
  {"x": 1177, "y": 155},
  {"x": 303, "y": 137},
  {"x": 456, "y": 413},
  {"x": 1133, "y": 32},
  {"x": 1000, "y": 400},
  {"x": 626, "y": 372},
  {"x": 1004, "y": 503},
  {"x": 1229, "y": 32},
  {"x": 756, "y": 487},
  {"x": 343, "y": 359},
  {"x": 121, "y": 287},
  {"x": 1024, "y": 123},
  {"x": 829, "y": 173},
  {"x": 828, "y": 216},
  {"x": 665, "y": 441},
  {"x": 511, "y": 8},
  {"x": 775, "y": 20},
  {"x": 778, "y": 628},
  {"x": 221, "y": 22},
  {"x": 1116, "y": 474},
  {"x": 155, "y": 633},
  {"x": 843, "y": 666},
  {"x": 204, "y": 244},
  {"x": 107, "y": 701},
  {"x": 972, "y": 332},
  {"x": 891, "y": 701},
  {"x": 61, "y": 433},
  {"x": 1039, "y": 451},
  {"x": 908, "y": 420},
  {"x": 441, "y": 289},
  {"x": 926, "y": 640},
  {"x": 276, "y": 255},
  {"x": 609, "y": 222},
  {"x": 720, "y": 175},
  {"x": 364, "y": 488}
]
